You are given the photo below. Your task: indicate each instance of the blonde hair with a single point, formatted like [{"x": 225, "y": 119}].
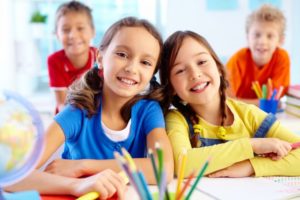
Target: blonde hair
[{"x": 267, "y": 13}]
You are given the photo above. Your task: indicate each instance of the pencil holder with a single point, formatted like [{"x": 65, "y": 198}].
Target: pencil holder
[{"x": 268, "y": 105}]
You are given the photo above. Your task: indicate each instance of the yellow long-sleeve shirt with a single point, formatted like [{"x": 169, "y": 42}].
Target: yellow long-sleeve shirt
[{"x": 247, "y": 119}]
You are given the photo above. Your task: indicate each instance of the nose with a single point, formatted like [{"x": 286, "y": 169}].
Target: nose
[
  {"x": 195, "y": 73},
  {"x": 73, "y": 33},
  {"x": 131, "y": 67}
]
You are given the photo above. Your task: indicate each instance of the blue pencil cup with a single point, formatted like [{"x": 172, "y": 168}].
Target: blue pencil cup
[{"x": 268, "y": 105}]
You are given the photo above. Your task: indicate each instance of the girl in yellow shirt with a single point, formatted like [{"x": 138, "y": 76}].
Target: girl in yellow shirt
[{"x": 241, "y": 139}]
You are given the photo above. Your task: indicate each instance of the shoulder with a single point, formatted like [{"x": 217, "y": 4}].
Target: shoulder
[
  {"x": 249, "y": 113},
  {"x": 146, "y": 104},
  {"x": 282, "y": 52},
  {"x": 56, "y": 57},
  {"x": 175, "y": 116},
  {"x": 240, "y": 106},
  {"x": 241, "y": 54}
]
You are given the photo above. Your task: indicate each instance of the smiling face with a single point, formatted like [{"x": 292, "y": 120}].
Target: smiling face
[
  {"x": 75, "y": 32},
  {"x": 128, "y": 62},
  {"x": 263, "y": 39},
  {"x": 194, "y": 76}
]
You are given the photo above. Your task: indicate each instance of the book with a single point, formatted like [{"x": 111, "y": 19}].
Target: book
[
  {"x": 293, "y": 100},
  {"x": 294, "y": 90},
  {"x": 248, "y": 188},
  {"x": 292, "y": 109}
]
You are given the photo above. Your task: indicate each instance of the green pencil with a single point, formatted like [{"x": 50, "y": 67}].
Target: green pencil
[{"x": 200, "y": 175}]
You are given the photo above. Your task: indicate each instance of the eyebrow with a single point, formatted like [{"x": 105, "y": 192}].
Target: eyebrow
[
  {"x": 197, "y": 54},
  {"x": 145, "y": 55}
]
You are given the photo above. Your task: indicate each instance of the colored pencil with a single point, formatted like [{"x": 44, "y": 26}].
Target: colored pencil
[
  {"x": 270, "y": 88},
  {"x": 187, "y": 183},
  {"x": 89, "y": 196},
  {"x": 264, "y": 92},
  {"x": 201, "y": 173},
  {"x": 279, "y": 93},
  {"x": 295, "y": 145},
  {"x": 150, "y": 153},
  {"x": 181, "y": 167}
]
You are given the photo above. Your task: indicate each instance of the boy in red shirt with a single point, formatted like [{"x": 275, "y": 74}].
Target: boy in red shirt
[
  {"x": 263, "y": 58},
  {"x": 74, "y": 28}
]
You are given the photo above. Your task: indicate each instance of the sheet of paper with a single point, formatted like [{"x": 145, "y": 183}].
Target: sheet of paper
[{"x": 246, "y": 188}]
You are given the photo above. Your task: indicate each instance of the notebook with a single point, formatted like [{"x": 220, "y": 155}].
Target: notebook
[{"x": 276, "y": 188}]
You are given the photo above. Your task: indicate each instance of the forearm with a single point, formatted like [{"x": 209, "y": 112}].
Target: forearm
[
  {"x": 44, "y": 183},
  {"x": 90, "y": 166},
  {"x": 143, "y": 164},
  {"x": 287, "y": 166},
  {"x": 233, "y": 152}
]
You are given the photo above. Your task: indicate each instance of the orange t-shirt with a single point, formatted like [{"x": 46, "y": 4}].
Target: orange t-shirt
[{"x": 242, "y": 71}]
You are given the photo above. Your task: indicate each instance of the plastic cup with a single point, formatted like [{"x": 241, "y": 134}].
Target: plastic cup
[{"x": 268, "y": 105}]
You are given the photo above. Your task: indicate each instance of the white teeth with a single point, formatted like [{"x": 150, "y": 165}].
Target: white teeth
[
  {"x": 200, "y": 86},
  {"x": 127, "y": 81}
]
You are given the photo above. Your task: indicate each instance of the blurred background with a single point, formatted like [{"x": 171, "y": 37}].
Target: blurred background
[{"x": 26, "y": 43}]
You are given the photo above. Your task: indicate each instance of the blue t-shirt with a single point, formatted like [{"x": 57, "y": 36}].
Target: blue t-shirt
[{"x": 85, "y": 139}]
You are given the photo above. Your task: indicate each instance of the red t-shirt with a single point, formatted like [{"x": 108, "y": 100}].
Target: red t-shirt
[
  {"x": 242, "y": 71},
  {"x": 61, "y": 71}
]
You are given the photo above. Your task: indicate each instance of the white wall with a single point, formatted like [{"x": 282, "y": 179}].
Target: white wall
[
  {"x": 7, "y": 57},
  {"x": 225, "y": 30}
]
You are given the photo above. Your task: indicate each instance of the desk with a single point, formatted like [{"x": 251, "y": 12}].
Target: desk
[
  {"x": 231, "y": 188},
  {"x": 289, "y": 121}
]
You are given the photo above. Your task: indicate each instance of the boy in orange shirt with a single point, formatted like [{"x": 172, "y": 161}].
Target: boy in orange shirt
[{"x": 263, "y": 58}]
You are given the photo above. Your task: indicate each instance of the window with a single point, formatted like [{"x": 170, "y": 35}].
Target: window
[{"x": 33, "y": 43}]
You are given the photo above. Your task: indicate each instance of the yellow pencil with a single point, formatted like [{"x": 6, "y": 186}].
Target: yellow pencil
[
  {"x": 254, "y": 87},
  {"x": 95, "y": 195},
  {"x": 89, "y": 196},
  {"x": 181, "y": 170}
]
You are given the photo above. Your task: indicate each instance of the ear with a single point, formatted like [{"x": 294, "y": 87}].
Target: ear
[
  {"x": 99, "y": 58},
  {"x": 281, "y": 41}
]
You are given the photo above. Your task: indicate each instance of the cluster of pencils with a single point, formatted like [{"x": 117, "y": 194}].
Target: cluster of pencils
[
  {"x": 180, "y": 190},
  {"x": 137, "y": 179},
  {"x": 267, "y": 91}
]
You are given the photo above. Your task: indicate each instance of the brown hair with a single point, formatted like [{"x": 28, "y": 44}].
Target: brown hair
[
  {"x": 73, "y": 6},
  {"x": 267, "y": 13},
  {"x": 85, "y": 92},
  {"x": 171, "y": 48}
]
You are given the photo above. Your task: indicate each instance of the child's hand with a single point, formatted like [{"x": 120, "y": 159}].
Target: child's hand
[
  {"x": 106, "y": 183},
  {"x": 273, "y": 147},
  {"x": 240, "y": 169},
  {"x": 69, "y": 168}
]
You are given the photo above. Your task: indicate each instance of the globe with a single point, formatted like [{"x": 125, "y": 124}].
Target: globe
[{"x": 21, "y": 140}]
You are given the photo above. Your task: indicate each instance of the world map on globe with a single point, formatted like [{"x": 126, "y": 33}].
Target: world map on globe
[{"x": 20, "y": 137}]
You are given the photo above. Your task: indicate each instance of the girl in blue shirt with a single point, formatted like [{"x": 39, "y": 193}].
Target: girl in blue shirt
[{"x": 109, "y": 108}]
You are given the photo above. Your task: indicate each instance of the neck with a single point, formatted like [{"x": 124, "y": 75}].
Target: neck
[
  {"x": 79, "y": 61},
  {"x": 111, "y": 109}
]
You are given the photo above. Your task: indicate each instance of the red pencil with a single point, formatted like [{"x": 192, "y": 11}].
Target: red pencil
[{"x": 295, "y": 145}]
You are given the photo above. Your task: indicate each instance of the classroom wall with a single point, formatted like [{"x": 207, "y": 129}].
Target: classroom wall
[
  {"x": 7, "y": 57},
  {"x": 225, "y": 30}
]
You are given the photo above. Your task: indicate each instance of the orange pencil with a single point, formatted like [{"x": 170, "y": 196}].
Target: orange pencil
[
  {"x": 187, "y": 183},
  {"x": 270, "y": 88},
  {"x": 279, "y": 93}
]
